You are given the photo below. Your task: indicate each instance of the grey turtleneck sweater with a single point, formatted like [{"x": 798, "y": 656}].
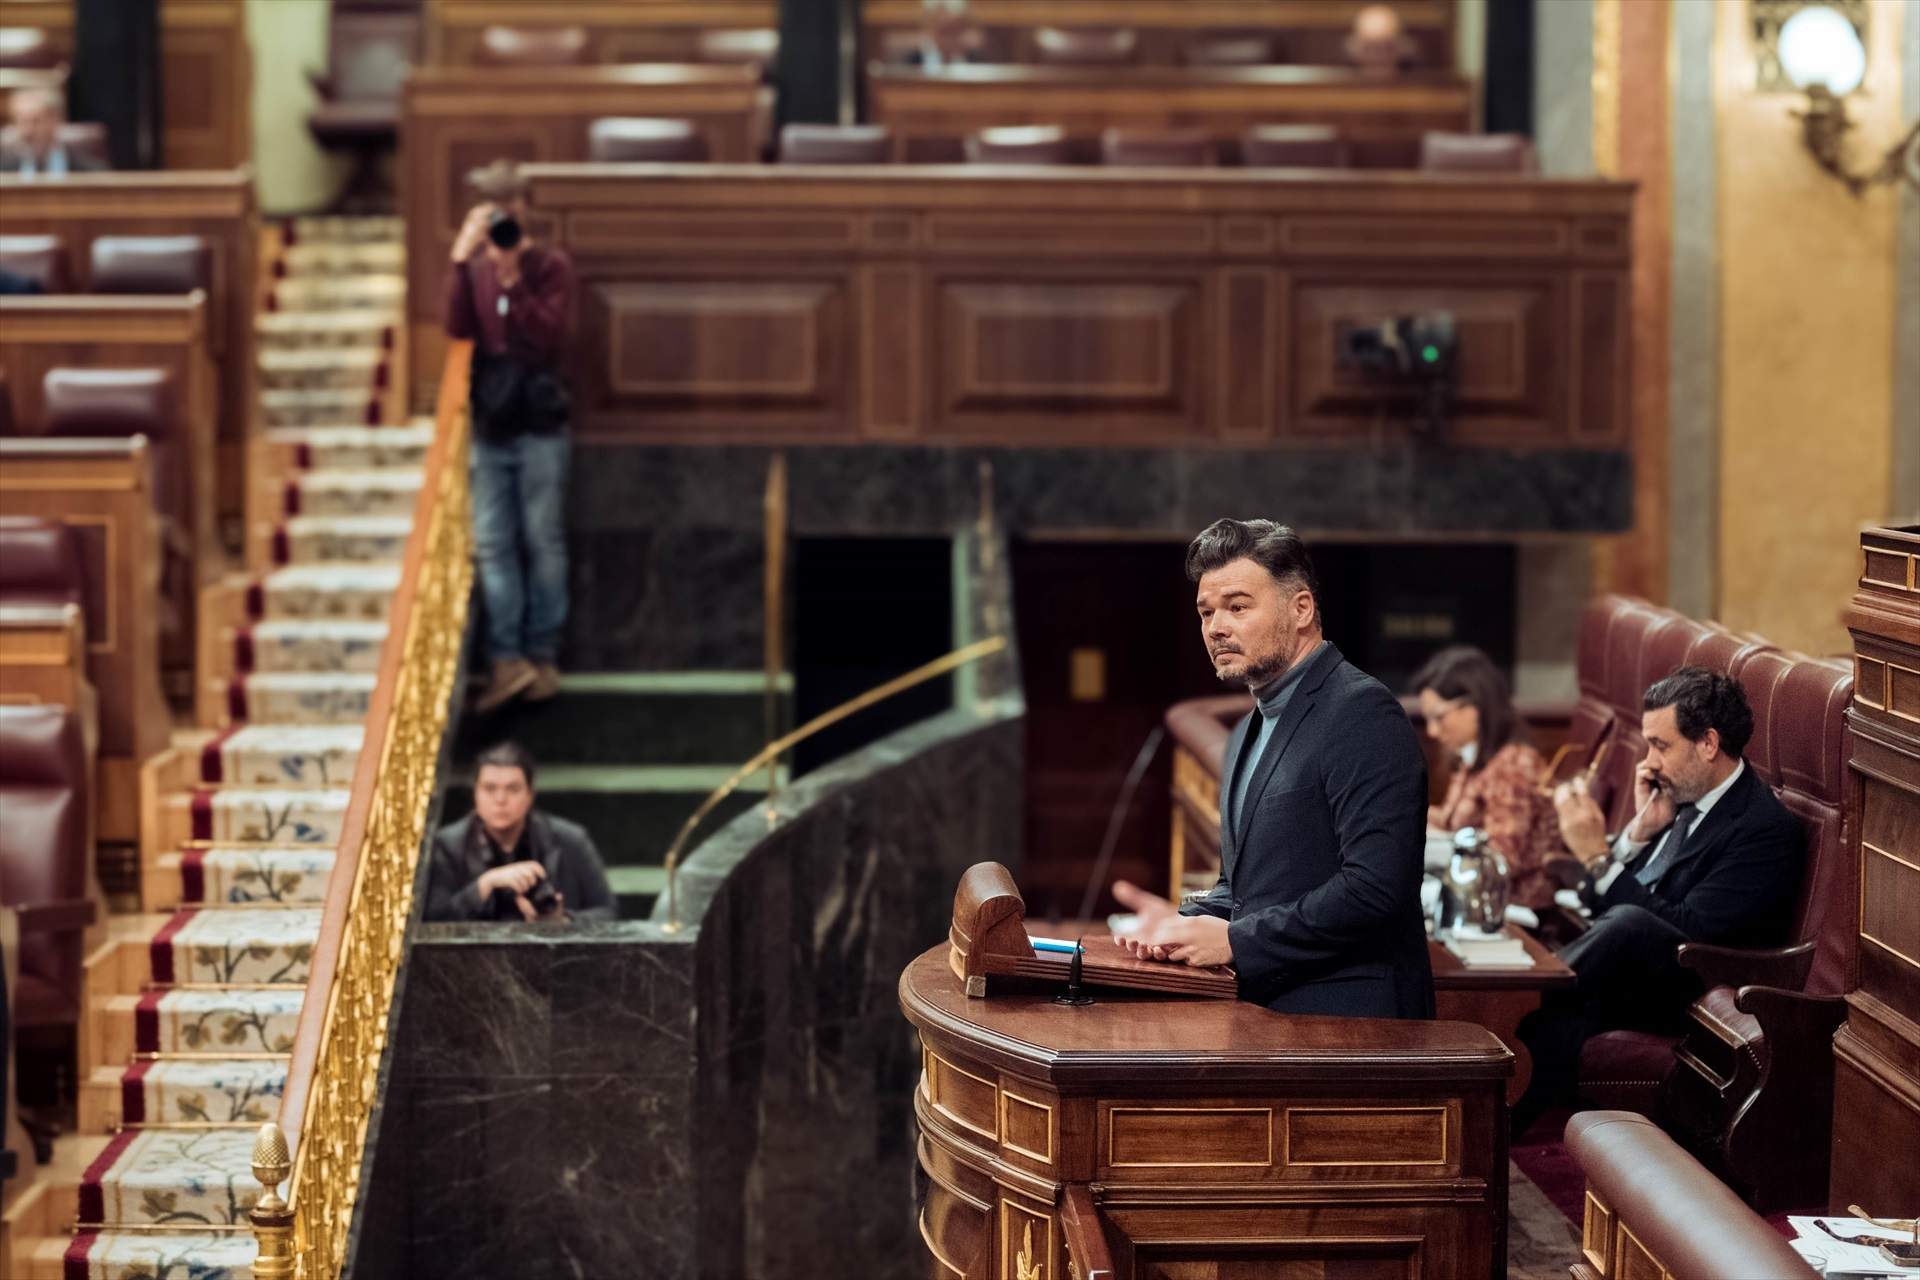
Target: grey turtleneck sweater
[{"x": 1271, "y": 701}]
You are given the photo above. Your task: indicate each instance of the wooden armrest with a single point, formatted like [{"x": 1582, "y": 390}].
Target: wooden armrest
[
  {"x": 1793, "y": 1020},
  {"x": 1086, "y": 1239},
  {"x": 1785, "y": 967},
  {"x": 60, "y": 916}
]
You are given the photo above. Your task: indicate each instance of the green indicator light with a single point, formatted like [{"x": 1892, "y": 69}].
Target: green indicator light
[{"x": 1430, "y": 354}]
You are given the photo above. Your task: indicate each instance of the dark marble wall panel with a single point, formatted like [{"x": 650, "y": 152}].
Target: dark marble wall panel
[
  {"x": 668, "y": 542},
  {"x": 729, "y": 1099}
]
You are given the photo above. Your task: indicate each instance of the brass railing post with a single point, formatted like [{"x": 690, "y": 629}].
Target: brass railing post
[
  {"x": 272, "y": 1217},
  {"x": 773, "y": 624}
]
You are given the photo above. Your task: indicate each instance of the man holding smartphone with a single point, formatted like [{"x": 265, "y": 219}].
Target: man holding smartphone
[
  {"x": 1710, "y": 855},
  {"x": 515, "y": 301}
]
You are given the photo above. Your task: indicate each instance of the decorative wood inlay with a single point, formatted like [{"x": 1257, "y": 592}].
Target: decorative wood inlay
[
  {"x": 718, "y": 339},
  {"x": 1022, "y": 1231},
  {"x": 1596, "y": 1235},
  {"x": 1026, "y": 1127},
  {"x": 1903, "y": 692},
  {"x": 964, "y": 1098},
  {"x": 1216, "y": 1137},
  {"x": 1869, "y": 682},
  {"x": 1890, "y": 902},
  {"x": 1887, "y": 569},
  {"x": 1366, "y": 1136}
]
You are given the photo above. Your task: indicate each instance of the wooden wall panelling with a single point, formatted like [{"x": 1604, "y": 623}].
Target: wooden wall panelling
[
  {"x": 170, "y": 333},
  {"x": 617, "y": 30},
  {"x": 218, "y": 205},
  {"x": 457, "y": 119},
  {"x": 1077, "y": 307},
  {"x": 206, "y": 75},
  {"x": 1877, "y": 1050},
  {"x": 1309, "y": 31},
  {"x": 930, "y": 113},
  {"x": 103, "y": 489}
]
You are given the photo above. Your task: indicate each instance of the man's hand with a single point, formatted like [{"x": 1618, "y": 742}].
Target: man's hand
[
  {"x": 517, "y": 876},
  {"x": 558, "y": 911},
  {"x": 473, "y": 233},
  {"x": 1582, "y": 826},
  {"x": 1652, "y": 806},
  {"x": 1165, "y": 934}
]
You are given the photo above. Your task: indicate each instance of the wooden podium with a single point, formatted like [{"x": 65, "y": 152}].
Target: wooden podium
[{"x": 1153, "y": 1135}]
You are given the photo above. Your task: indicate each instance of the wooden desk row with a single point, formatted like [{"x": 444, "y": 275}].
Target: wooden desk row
[
  {"x": 218, "y": 205},
  {"x": 750, "y": 304},
  {"x": 206, "y": 75},
  {"x": 104, "y": 490},
  {"x": 1381, "y": 121},
  {"x": 669, "y": 30}
]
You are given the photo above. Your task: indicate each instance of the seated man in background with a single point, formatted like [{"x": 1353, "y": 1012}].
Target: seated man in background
[
  {"x": 37, "y": 151},
  {"x": 508, "y": 861},
  {"x": 945, "y": 34},
  {"x": 1378, "y": 44},
  {"x": 1496, "y": 776},
  {"x": 1710, "y": 855}
]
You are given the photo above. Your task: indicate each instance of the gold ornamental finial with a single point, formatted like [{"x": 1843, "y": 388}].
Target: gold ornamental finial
[{"x": 271, "y": 1218}]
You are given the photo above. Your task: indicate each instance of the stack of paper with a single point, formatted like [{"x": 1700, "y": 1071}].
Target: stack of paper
[
  {"x": 1845, "y": 1258},
  {"x": 1489, "y": 950}
]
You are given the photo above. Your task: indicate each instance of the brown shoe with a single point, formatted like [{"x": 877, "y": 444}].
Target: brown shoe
[
  {"x": 510, "y": 679},
  {"x": 545, "y": 684}
]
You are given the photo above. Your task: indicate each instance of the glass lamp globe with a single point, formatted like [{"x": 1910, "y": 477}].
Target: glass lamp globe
[{"x": 1818, "y": 46}]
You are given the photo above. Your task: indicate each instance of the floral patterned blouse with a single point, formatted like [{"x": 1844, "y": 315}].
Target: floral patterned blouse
[{"x": 1503, "y": 801}]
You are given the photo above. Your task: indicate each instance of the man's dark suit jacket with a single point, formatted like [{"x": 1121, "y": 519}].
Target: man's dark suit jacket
[
  {"x": 461, "y": 851},
  {"x": 1735, "y": 881},
  {"x": 1320, "y": 875}
]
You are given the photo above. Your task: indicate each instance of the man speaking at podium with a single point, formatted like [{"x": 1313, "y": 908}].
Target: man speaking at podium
[{"x": 1323, "y": 802}]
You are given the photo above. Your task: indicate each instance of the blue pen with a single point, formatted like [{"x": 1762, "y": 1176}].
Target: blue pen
[{"x": 1053, "y": 944}]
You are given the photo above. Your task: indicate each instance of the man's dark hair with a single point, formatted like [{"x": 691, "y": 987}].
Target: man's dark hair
[
  {"x": 1703, "y": 700},
  {"x": 1274, "y": 547},
  {"x": 1464, "y": 672},
  {"x": 509, "y": 755}
]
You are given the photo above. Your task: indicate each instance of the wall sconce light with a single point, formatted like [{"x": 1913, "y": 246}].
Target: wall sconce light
[{"x": 1821, "y": 53}]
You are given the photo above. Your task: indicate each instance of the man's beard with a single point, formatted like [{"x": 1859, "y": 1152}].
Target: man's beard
[{"x": 1255, "y": 674}]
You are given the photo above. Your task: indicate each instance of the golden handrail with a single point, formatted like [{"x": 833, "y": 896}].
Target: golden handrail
[
  {"x": 770, "y": 753},
  {"x": 333, "y": 1070}
]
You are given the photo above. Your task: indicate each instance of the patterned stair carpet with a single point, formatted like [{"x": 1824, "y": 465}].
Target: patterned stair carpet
[{"x": 203, "y": 1043}]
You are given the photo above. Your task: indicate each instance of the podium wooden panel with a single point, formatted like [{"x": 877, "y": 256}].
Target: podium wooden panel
[
  {"x": 757, "y": 304},
  {"x": 1191, "y": 1137},
  {"x": 1876, "y": 1068},
  {"x": 1201, "y": 1138}
]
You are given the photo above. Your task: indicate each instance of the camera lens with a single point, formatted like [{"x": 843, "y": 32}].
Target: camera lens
[{"x": 504, "y": 230}]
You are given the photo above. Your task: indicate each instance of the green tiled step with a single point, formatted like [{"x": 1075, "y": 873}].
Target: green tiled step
[
  {"x": 632, "y": 812},
  {"x": 637, "y": 888},
  {"x": 636, "y": 718}
]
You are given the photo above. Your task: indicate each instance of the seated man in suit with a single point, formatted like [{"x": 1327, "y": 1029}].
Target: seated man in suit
[
  {"x": 508, "y": 861},
  {"x": 1711, "y": 855},
  {"x": 1323, "y": 803},
  {"x": 37, "y": 117}
]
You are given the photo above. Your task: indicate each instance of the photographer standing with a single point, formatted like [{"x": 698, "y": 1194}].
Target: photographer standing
[{"x": 515, "y": 300}]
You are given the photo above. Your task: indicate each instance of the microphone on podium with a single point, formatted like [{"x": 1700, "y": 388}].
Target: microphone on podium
[{"x": 1075, "y": 995}]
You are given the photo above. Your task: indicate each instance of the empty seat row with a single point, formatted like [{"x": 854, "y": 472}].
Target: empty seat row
[
  {"x": 502, "y": 46},
  {"x": 115, "y": 264},
  {"x": 633, "y": 140}
]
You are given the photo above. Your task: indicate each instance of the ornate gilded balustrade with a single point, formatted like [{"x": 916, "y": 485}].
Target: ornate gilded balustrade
[{"x": 343, "y": 1025}]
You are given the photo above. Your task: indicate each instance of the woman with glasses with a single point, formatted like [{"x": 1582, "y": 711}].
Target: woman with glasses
[{"x": 1496, "y": 776}]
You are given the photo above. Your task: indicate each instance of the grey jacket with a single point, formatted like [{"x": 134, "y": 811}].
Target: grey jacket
[{"x": 461, "y": 853}]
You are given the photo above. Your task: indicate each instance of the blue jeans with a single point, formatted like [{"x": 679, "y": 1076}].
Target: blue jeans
[{"x": 520, "y": 543}]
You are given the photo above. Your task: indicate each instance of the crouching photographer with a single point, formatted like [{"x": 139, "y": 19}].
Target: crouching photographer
[
  {"x": 515, "y": 301},
  {"x": 508, "y": 861}
]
